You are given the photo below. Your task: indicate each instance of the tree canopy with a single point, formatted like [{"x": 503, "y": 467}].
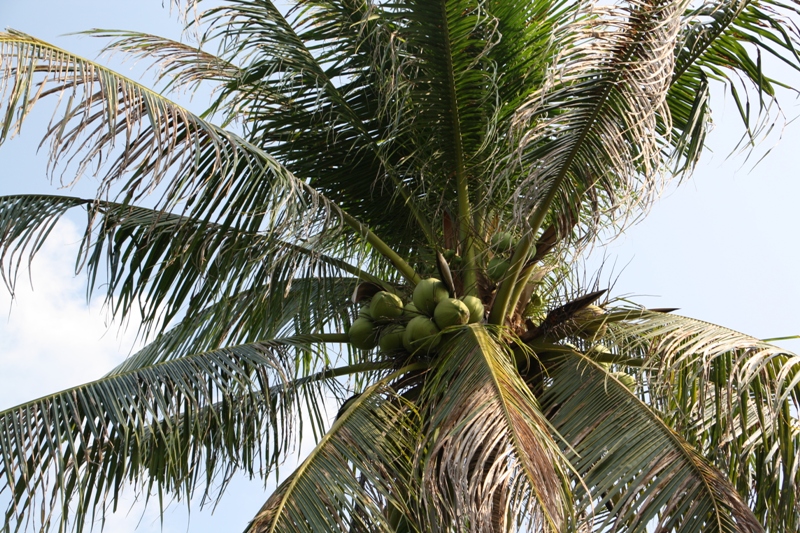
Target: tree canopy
[{"x": 384, "y": 203}]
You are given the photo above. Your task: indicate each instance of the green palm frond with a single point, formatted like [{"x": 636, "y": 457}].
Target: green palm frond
[
  {"x": 635, "y": 470},
  {"x": 257, "y": 313},
  {"x": 489, "y": 462},
  {"x": 733, "y": 41},
  {"x": 526, "y": 49},
  {"x": 159, "y": 264},
  {"x": 313, "y": 68},
  {"x": 202, "y": 171},
  {"x": 586, "y": 144},
  {"x": 732, "y": 396},
  {"x": 356, "y": 473},
  {"x": 444, "y": 96},
  {"x": 176, "y": 426},
  {"x": 446, "y": 46}
]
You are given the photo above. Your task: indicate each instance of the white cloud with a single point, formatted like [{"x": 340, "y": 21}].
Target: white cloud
[{"x": 51, "y": 338}]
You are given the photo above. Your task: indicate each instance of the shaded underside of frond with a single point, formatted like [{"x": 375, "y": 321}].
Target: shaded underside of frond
[{"x": 310, "y": 72}]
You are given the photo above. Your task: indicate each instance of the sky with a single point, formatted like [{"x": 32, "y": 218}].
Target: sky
[{"x": 723, "y": 247}]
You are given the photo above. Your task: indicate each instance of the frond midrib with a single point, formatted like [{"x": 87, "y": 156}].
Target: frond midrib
[{"x": 501, "y": 394}]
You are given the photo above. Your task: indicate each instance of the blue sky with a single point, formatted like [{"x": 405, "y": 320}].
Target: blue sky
[{"x": 723, "y": 247}]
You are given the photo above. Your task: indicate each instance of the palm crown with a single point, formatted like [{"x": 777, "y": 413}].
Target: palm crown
[{"x": 353, "y": 151}]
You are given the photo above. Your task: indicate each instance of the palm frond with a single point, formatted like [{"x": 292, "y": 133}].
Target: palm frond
[
  {"x": 356, "y": 473},
  {"x": 201, "y": 171},
  {"x": 636, "y": 473},
  {"x": 488, "y": 462},
  {"x": 310, "y": 73},
  {"x": 257, "y": 313},
  {"x": 589, "y": 135},
  {"x": 175, "y": 427},
  {"x": 447, "y": 44},
  {"x": 733, "y": 41},
  {"x": 526, "y": 49},
  {"x": 162, "y": 265},
  {"x": 732, "y": 396}
]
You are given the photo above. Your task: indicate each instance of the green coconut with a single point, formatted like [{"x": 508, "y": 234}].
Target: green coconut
[
  {"x": 385, "y": 305},
  {"x": 448, "y": 255},
  {"x": 475, "y": 306},
  {"x": 410, "y": 310},
  {"x": 600, "y": 351},
  {"x": 626, "y": 379},
  {"x": 392, "y": 338},
  {"x": 363, "y": 334},
  {"x": 364, "y": 312},
  {"x": 536, "y": 300},
  {"x": 497, "y": 268},
  {"x": 587, "y": 322},
  {"x": 428, "y": 293},
  {"x": 407, "y": 342},
  {"x": 451, "y": 312},
  {"x": 502, "y": 241},
  {"x": 421, "y": 335}
]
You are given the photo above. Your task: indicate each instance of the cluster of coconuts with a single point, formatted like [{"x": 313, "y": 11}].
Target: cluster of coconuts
[{"x": 414, "y": 326}]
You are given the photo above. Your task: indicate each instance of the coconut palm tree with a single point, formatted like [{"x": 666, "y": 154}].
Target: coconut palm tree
[{"x": 384, "y": 204}]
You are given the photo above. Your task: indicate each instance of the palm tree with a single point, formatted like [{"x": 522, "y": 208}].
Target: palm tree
[{"x": 359, "y": 157}]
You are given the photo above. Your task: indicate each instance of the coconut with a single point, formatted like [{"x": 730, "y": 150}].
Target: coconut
[
  {"x": 421, "y": 335},
  {"x": 536, "y": 300},
  {"x": 428, "y": 293},
  {"x": 410, "y": 310},
  {"x": 587, "y": 322},
  {"x": 407, "y": 342},
  {"x": 451, "y": 312},
  {"x": 503, "y": 241},
  {"x": 385, "y": 305},
  {"x": 497, "y": 268},
  {"x": 475, "y": 306},
  {"x": 626, "y": 379},
  {"x": 362, "y": 334},
  {"x": 448, "y": 254},
  {"x": 392, "y": 338},
  {"x": 364, "y": 312}
]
